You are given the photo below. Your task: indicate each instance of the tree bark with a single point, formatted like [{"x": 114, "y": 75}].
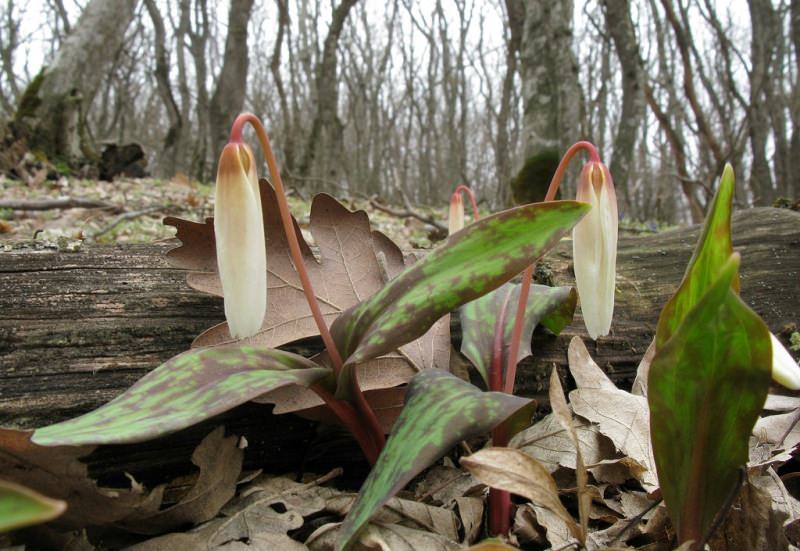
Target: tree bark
[
  {"x": 52, "y": 110},
  {"x": 550, "y": 89},
  {"x": 79, "y": 328},
  {"x": 320, "y": 155},
  {"x": 620, "y": 26},
  {"x": 228, "y": 98}
]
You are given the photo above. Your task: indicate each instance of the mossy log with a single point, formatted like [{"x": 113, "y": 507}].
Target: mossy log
[{"x": 78, "y": 328}]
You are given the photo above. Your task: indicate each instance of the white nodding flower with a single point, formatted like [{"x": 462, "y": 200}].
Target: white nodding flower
[
  {"x": 241, "y": 250},
  {"x": 784, "y": 369},
  {"x": 594, "y": 248},
  {"x": 456, "y": 218}
]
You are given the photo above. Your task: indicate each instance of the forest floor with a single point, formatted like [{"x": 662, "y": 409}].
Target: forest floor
[{"x": 132, "y": 211}]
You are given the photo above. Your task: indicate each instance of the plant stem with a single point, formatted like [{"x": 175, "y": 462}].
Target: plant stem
[
  {"x": 370, "y": 437},
  {"x": 461, "y": 188},
  {"x": 527, "y": 276},
  {"x": 500, "y": 501},
  {"x": 347, "y": 415},
  {"x": 288, "y": 228}
]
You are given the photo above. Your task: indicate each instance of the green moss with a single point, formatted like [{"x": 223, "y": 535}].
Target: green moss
[
  {"x": 531, "y": 182},
  {"x": 30, "y": 100}
]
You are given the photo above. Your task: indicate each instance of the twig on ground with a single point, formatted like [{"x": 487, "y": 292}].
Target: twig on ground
[
  {"x": 60, "y": 203},
  {"x": 122, "y": 218},
  {"x": 409, "y": 212}
]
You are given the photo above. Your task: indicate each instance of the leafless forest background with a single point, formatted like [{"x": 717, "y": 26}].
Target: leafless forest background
[{"x": 406, "y": 99}]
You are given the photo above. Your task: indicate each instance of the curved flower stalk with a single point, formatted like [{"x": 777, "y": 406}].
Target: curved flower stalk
[
  {"x": 606, "y": 244},
  {"x": 594, "y": 246},
  {"x": 239, "y": 232},
  {"x": 455, "y": 220},
  {"x": 784, "y": 369}
]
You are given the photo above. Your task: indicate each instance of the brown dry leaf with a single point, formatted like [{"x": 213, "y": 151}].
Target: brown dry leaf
[
  {"x": 516, "y": 472},
  {"x": 383, "y": 537},
  {"x": 548, "y": 442},
  {"x": 470, "y": 513},
  {"x": 405, "y": 512},
  {"x": 757, "y": 517},
  {"x": 220, "y": 462},
  {"x": 443, "y": 485},
  {"x": 562, "y": 412},
  {"x": 256, "y": 529},
  {"x": 557, "y": 530},
  {"x": 643, "y": 371},
  {"x": 57, "y": 472},
  {"x": 617, "y": 471},
  {"x": 492, "y": 546},
  {"x": 774, "y": 439},
  {"x": 623, "y": 417},
  {"x": 780, "y": 403},
  {"x": 303, "y": 498}
]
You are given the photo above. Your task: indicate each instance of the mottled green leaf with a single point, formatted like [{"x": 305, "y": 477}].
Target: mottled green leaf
[
  {"x": 187, "y": 389},
  {"x": 471, "y": 263},
  {"x": 553, "y": 307},
  {"x": 440, "y": 411},
  {"x": 706, "y": 387},
  {"x": 21, "y": 507},
  {"x": 713, "y": 250}
]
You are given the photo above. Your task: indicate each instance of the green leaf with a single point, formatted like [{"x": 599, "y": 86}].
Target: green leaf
[
  {"x": 471, "y": 263},
  {"x": 185, "y": 390},
  {"x": 440, "y": 411},
  {"x": 553, "y": 307},
  {"x": 707, "y": 385},
  {"x": 713, "y": 250},
  {"x": 21, "y": 507}
]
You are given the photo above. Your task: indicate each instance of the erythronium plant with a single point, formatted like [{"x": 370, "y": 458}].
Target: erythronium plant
[{"x": 440, "y": 410}]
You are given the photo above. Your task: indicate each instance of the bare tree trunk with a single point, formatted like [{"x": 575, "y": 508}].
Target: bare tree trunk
[
  {"x": 620, "y": 27},
  {"x": 53, "y": 107},
  {"x": 762, "y": 49},
  {"x": 228, "y": 98},
  {"x": 793, "y": 186},
  {"x": 515, "y": 11},
  {"x": 551, "y": 93},
  {"x": 325, "y": 138},
  {"x": 167, "y": 157}
]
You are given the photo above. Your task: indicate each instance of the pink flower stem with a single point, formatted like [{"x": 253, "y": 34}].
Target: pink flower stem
[
  {"x": 373, "y": 426},
  {"x": 500, "y": 501},
  {"x": 527, "y": 276},
  {"x": 461, "y": 188}
]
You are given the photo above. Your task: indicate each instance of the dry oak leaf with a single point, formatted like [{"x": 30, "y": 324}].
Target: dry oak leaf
[
  {"x": 58, "y": 473},
  {"x": 621, "y": 416},
  {"x": 219, "y": 459},
  {"x": 354, "y": 262}
]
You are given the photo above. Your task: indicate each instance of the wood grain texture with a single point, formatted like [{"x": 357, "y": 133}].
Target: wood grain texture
[{"x": 78, "y": 328}]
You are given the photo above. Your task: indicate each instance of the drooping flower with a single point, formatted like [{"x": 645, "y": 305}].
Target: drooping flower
[
  {"x": 784, "y": 369},
  {"x": 594, "y": 247},
  {"x": 456, "y": 218},
  {"x": 241, "y": 250}
]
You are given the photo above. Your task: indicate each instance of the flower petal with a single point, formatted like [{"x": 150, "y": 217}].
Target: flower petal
[
  {"x": 594, "y": 245},
  {"x": 241, "y": 249},
  {"x": 784, "y": 369}
]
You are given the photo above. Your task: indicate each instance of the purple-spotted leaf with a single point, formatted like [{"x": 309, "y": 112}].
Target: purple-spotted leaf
[
  {"x": 713, "y": 250},
  {"x": 185, "y": 390},
  {"x": 706, "y": 387},
  {"x": 440, "y": 411},
  {"x": 553, "y": 307},
  {"x": 21, "y": 507},
  {"x": 471, "y": 263}
]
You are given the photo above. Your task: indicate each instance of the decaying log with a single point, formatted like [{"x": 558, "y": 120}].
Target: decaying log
[{"x": 78, "y": 328}]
